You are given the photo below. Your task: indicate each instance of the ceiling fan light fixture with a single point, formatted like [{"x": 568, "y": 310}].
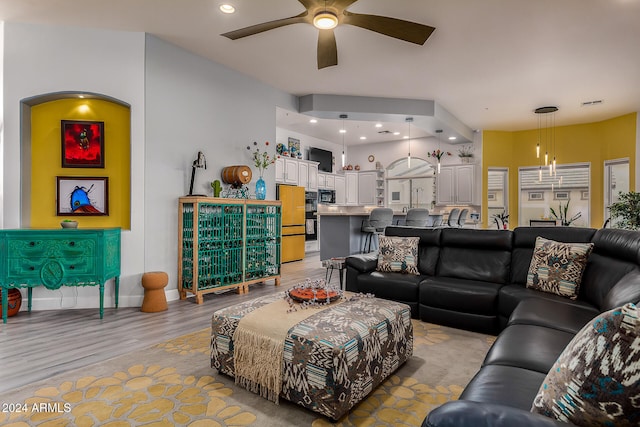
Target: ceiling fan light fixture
[
  {"x": 325, "y": 20},
  {"x": 227, "y": 8}
]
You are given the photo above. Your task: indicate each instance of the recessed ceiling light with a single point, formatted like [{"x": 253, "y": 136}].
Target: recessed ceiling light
[
  {"x": 452, "y": 138},
  {"x": 313, "y": 121},
  {"x": 343, "y": 131},
  {"x": 378, "y": 125},
  {"x": 396, "y": 133},
  {"x": 405, "y": 137},
  {"x": 227, "y": 8},
  {"x": 363, "y": 137}
]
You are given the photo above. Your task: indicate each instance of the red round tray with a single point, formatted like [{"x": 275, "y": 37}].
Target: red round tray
[{"x": 307, "y": 294}]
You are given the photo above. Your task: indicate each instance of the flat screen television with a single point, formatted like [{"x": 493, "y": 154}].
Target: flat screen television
[{"x": 323, "y": 157}]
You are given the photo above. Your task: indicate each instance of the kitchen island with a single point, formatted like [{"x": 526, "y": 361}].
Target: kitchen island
[{"x": 340, "y": 235}]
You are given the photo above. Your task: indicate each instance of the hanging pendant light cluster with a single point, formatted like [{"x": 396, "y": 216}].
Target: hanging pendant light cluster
[
  {"x": 343, "y": 131},
  {"x": 409, "y": 120},
  {"x": 546, "y": 137}
]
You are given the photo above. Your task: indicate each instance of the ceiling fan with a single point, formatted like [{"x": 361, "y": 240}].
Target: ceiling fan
[{"x": 327, "y": 14}]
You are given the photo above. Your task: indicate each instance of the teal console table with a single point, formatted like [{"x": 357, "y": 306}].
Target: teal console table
[{"x": 53, "y": 258}]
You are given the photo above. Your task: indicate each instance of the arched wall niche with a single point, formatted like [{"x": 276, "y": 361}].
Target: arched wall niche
[{"x": 41, "y": 162}]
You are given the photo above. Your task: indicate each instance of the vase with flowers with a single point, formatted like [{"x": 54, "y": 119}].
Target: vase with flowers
[
  {"x": 438, "y": 154},
  {"x": 261, "y": 160}
]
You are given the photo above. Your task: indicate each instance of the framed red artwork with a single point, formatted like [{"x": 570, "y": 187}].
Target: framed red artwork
[{"x": 82, "y": 144}]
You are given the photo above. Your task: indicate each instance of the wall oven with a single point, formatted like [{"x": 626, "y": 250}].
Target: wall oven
[{"x": 311, "y": 220}]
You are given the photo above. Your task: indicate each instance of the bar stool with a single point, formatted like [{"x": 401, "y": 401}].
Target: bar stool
[
  {"x": 379, "y": 219},
  {"x": 417, "y": 217}
]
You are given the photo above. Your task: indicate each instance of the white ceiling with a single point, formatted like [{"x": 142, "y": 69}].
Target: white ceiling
[{"x": 490, "y": 63}]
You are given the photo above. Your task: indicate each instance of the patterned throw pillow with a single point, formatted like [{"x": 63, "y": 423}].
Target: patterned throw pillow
[
  {"x": 399, "y": 254},
  {"x": 596, "y": 379},
  {"x": 557, "y": 267}
]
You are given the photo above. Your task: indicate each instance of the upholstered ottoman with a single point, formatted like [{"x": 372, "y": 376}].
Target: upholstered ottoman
[{"x": 330, "y": 360}]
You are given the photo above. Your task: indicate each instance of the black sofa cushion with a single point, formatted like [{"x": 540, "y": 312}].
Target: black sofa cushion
[
  {"x": 535, "y": 348},
  {"x": 508, "y": 385},
  {"x": 480, "y": 255},
  {"x": 552, "y": 314},
  {"x": 486, "y": 324},
  {"x": 467, "y": 296},
  {"x": 463, "y": 413},
  {"x": 511, "y": 295},
  {"x": 615, "y": 254},
  {"x": 398, "y": 287}
]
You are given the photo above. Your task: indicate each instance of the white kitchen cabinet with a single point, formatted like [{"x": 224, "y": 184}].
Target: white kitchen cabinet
[
  {"x": 455, "y": 185},
  {"x": 340, "y": 187},
  {"x": 286, "y": 171},
  {"x": 331, "y": 182},
  {"x": 351, "y": 188},
  {"x": 326, "y": 181},
  {"x": 303, "y": 174},
  {"x": 367, "y": 182},
  {"x": 313, "y": 177},
  {"x": 322, "y": 181},
  {"x": 298, "y": 172}
]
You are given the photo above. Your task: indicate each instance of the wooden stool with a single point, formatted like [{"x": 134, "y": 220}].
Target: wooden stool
[{"x": 154, "y": 297}]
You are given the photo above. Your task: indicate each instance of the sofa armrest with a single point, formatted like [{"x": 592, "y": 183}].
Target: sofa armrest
[
  {"x": 465, "y": 413},
  {"x": 363, "y": 263}
]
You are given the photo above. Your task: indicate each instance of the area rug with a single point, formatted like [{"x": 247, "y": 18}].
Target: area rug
[{"x": 172, "y": 384}]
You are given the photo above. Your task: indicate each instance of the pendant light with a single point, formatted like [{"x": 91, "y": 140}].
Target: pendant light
[
  {"x": 546, "y": 132},
  {"x": 409, "y": 120},
  {"x": 439, "y": 131},
  {"x": 343, "y": 131}
]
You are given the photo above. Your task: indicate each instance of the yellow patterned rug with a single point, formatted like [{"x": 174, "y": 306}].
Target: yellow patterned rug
[{"x": 171, "y": 384}]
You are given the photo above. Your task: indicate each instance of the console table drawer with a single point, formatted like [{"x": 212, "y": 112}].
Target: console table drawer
[
  {"x": 21, "y": 268},
  {"x": 47, "y": 247}
]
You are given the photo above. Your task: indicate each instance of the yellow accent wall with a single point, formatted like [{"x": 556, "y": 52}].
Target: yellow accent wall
[
  {"x": 46, "y": 161},
  {"x": 591, "y": 142}
]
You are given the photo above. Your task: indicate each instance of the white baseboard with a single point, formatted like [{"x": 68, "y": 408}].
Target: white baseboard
[{"x": 69, "y": 302}]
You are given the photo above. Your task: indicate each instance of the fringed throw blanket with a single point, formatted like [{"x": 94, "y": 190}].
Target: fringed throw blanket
[{"x": 259, "y": 346}]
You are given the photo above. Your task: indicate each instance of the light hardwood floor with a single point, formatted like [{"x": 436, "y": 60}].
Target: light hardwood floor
[{"x": 40, "y": 344}]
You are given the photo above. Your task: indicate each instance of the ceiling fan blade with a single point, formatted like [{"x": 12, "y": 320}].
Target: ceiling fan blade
[
  {"x": 266, "y": 26},
  {"x": 335, "y": 5},
  {"x": 392, "y": 27},
  {"x": 327, "y": 49}
]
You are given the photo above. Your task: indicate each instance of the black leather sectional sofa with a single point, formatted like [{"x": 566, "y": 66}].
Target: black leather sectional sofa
[{"x": 476, "y": 280}]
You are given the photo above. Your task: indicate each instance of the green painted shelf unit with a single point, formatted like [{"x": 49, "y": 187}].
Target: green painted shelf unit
[
  {"x": 227, "y": 243},
  {"x": 60, "y": 257}
]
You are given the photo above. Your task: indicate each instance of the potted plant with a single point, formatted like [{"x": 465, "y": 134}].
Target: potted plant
[
  {"x": 465, "y": 153},
  {"x": 502, "y": 220},
  {"x": 563, "y": 214},
  {"x": 626, "y": 211}
]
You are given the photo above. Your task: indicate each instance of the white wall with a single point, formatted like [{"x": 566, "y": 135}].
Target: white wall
[
  {"x": 41, "y": 59},
  {"x": 180, "y": 104},
  {"x": 388, "y": 152},
  {"x": 192, "y": 105}
]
